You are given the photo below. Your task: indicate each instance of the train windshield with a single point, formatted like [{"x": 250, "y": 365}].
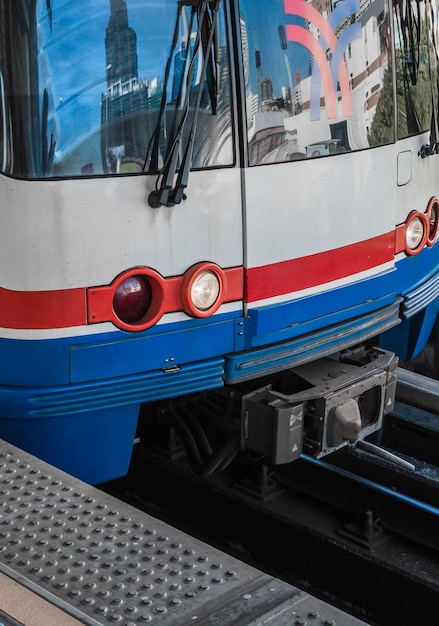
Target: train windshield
[
  {"x": 324, "y": 77},
  {"x": 104, "y": 87}
]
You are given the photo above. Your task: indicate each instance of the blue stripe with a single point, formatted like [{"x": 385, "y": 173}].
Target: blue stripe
[
  {"x": 154, "y": 351},
  {"x": 371, "y": 293},
  {"x": 57, "y": 362},
  {"x": 155, "y": 385}
]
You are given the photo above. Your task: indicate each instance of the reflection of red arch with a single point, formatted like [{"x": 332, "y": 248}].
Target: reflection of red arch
[
  {"x": 309, "y": 13},
  {"x": 300, "y": 35}
]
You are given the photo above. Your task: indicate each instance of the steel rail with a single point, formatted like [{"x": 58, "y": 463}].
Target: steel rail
[{"x": 366, "y": 482}]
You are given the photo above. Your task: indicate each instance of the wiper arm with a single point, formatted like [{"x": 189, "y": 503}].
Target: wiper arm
[
  {"x": 160, "y": 196},
  {"x": 206, "y": 35},
  {"x": 152, "y": 152},
  {"x": 208, "y": 67},
  {"x": 210, "y": 40}
]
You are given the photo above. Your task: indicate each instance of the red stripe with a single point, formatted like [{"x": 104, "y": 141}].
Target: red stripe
[
  {"x": 42, "y": 309},
  {"x": 100, "y": 299},
  {"x": 278, "y": 279},
  {"x": 68, "y": 308}
]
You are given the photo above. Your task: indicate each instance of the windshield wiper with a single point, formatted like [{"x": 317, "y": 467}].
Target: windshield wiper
[{"x": 206, "y": 39}]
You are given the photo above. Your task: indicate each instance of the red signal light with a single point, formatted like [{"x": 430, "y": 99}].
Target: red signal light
[{"x": 132, "y": 299}]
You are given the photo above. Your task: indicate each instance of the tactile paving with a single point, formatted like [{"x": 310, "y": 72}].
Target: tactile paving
[{"x": 103, "y": 561}]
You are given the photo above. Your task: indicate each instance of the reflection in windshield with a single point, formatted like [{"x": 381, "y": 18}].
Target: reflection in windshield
[
  {"x": 415, "y": 26},
  {"x": 319, "y": 76},
  {"x": 88, "y": 101},
  {"x": 314, "y": 75}
]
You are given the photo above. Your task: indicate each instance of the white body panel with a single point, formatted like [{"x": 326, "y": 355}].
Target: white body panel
[
  {"x": 305, "y": 207},
  {"x": 424, "y": 178},
  {"x": 79, "y": 233}
]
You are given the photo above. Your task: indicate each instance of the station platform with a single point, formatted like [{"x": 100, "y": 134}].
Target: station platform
[{"x": 71, "y": 554}]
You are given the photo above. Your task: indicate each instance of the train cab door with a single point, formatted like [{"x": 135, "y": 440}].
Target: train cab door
[{"x": 319, "y": 126}]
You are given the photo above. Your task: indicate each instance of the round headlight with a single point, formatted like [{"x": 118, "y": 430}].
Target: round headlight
[
  {"x": 205, "y": 290},
  {"x": 202, "y": 289},
  {"x": 416, "y": 232}
]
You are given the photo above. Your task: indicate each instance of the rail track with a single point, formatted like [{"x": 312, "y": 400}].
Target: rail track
[{"x": 358, "y": 529}]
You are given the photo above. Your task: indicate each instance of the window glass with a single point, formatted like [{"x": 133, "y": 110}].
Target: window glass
[
  {"x": 415, "y": 26},
  {"x": 318, "y": 77},
  {"x": 84, "y": 90}
]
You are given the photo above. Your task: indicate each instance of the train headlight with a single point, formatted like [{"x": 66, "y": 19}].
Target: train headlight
[
  {"x": 132, "y": 299},
  {"x": 433, "y": 220},
  {"x": 202, "y": 290},
  {"x": 415, "y": 233},
  {"x": 417, "y": 229},
  {"x": 205, "y": 290}
]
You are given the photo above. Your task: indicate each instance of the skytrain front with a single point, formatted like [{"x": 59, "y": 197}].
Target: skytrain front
[{"x": 212, "y": 194}]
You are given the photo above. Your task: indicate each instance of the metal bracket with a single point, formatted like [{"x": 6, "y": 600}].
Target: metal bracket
[{"x": 365, "y": 531}]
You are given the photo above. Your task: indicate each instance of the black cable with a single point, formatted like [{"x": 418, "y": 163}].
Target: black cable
[{"x": 204, "y": 461}]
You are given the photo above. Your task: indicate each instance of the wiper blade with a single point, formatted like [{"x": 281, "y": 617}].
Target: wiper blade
[
  {"x": 210, "y": 42},
  {"x": 152, "y": 153},
  {"x": 208, "y": 65},
  {"x": 160, "y": 196},
  {"x": 207, "y": 38}
]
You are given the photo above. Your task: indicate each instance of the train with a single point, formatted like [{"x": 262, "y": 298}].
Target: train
[{"x": 213, "y": 201}]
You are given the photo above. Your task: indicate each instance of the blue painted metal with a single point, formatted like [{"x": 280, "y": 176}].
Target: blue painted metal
[
  {"x": 51, "y": 362},
  {"x": 419, "y": 285},
  {"x": 313, "y": 308},
  {"x": 311, "y": 346},
  {"x": 421, "y": 297},
  {"x": 55, "y": 402},
  {"x": 88, "y": 430},
  {"x": 94, "y": 446},
  {"x": 128, "y": 355}
]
